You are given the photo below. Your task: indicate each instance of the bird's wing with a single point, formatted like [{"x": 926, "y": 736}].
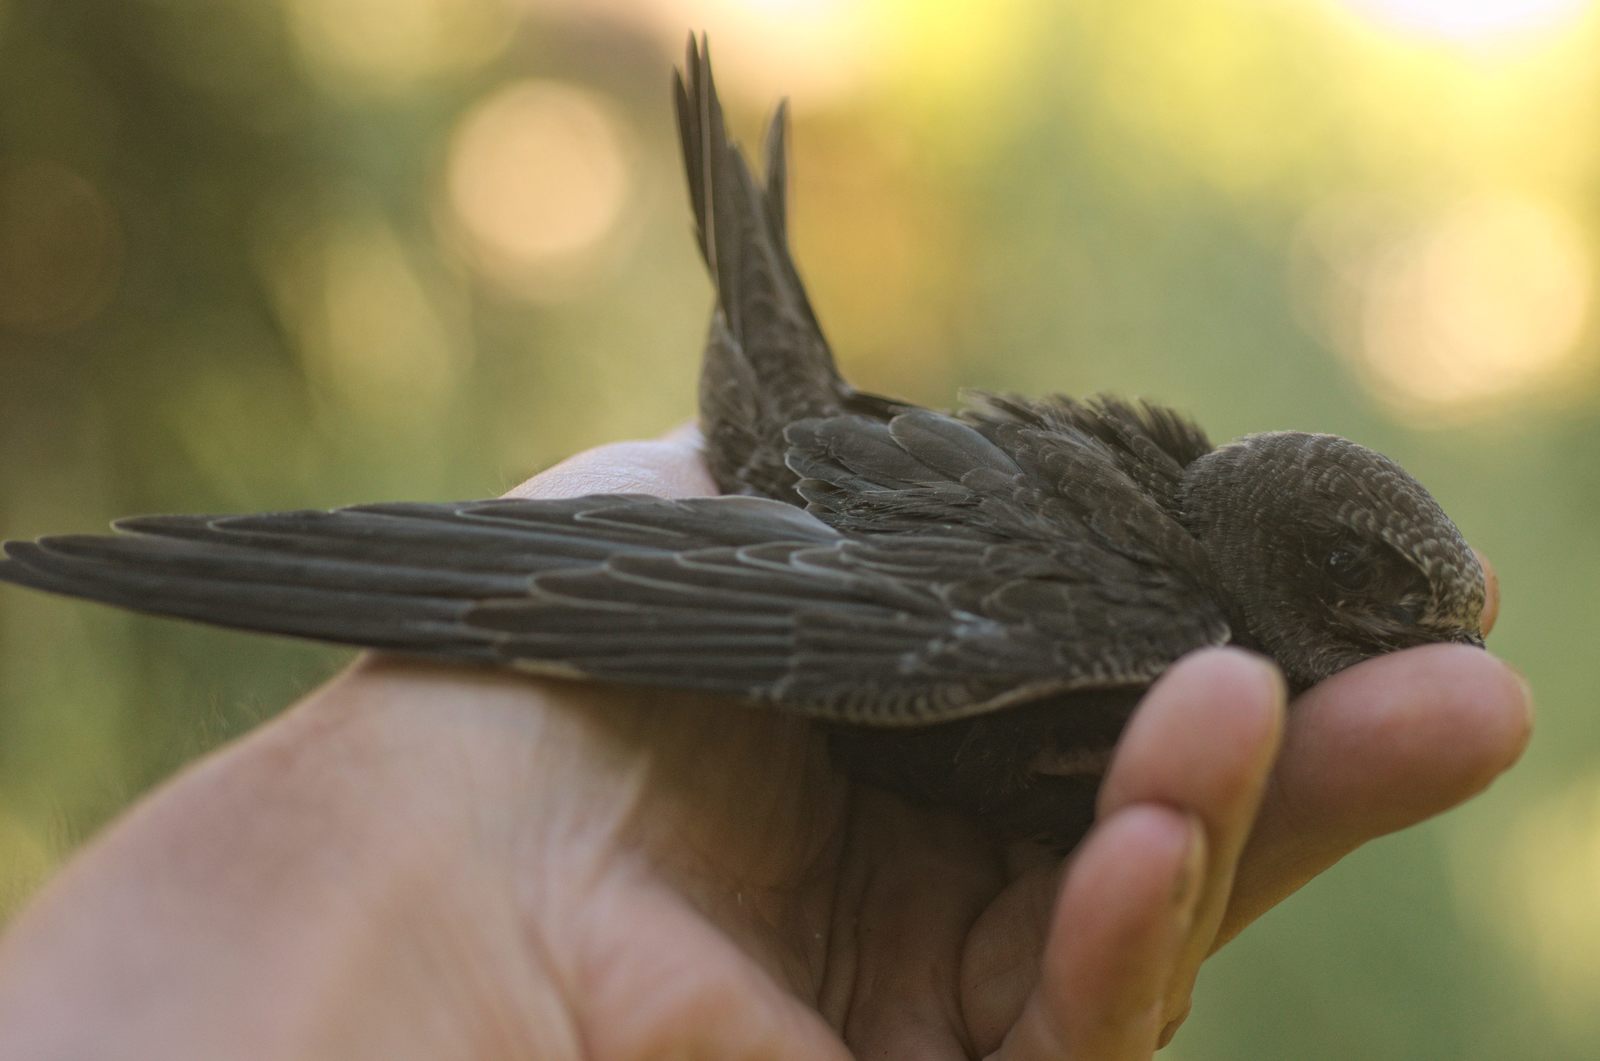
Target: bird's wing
[
  {"x": 730, "y": 595},
  {"x": 1065, "y": 491}
]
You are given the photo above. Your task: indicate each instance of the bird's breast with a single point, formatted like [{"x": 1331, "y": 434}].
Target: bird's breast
[{"x": 1026, "y": 772}]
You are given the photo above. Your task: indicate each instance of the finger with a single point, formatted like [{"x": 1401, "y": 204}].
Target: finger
[
  {"x": 669, "y": 466},
  {"x": 1373, "y": 749},
  {"x": 1122, "y": 915},
  {"x": 1202, "y": 741}
]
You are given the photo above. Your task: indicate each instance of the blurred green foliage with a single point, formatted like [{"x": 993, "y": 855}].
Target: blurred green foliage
[{"x": 312, "y": 252}]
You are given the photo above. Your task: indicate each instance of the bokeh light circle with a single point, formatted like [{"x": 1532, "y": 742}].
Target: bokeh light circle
[
  {"x": 61, "y": 248},
  {"x": 1471, "y": 19},
  {"x": 536, "y": 181},
  {"x": 385, "y": 45},
  {"x": 1454, "y": 310}
]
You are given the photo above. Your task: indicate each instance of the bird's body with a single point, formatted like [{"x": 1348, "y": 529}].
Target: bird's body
[{"x": 971, "y": 602}]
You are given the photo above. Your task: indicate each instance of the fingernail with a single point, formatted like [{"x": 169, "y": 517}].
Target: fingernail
[
  {"x": 1527, "y": 690},
  {"x": 1491, "y": 595}
]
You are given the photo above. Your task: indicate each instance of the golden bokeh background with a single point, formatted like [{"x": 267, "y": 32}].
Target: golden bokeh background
[{"x": 288, "y": 253}]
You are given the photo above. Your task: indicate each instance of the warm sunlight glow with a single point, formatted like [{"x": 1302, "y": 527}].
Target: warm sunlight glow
[
  {"x": 1449, "y": 313},
  {"x": 537, "y": 179},
  {"x": 382, "y": 337},
  {"x": 391, "y": 44},
  {"x": 371, "y": 336},
  {"x": 809, "y": 50},
  {"x": 1472, "y": 19}
]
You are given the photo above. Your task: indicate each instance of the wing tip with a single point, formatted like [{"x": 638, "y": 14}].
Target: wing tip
[
  {"x": 11, "y": 570},
  {"x": 29, "y": 564}
]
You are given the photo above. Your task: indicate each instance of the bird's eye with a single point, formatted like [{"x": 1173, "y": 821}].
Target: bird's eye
[{"x": 1348, "y": 567}]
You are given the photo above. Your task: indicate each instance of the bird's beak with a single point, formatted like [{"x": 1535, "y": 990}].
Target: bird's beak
[{"x": 1491, "y": 596}]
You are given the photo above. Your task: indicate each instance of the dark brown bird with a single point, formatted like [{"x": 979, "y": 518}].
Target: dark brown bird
[{"x": 972, "y": 601}]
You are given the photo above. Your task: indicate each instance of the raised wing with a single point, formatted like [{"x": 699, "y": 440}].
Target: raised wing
[{"x": 738, "y": 596}]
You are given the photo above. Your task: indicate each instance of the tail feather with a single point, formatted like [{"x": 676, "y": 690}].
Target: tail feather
[
  {"x": 741, "y": 225},
  {"x": 777, "y": 171},
  {"x": 767, "y": 362}
]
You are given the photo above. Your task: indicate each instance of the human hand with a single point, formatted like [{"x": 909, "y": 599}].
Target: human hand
[
  {"x": 422, "y": 860},
  {"x": 1184, "y": 857}
]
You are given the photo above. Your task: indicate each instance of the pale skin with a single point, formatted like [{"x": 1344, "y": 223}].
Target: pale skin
[{"x": 425, "y": 861}]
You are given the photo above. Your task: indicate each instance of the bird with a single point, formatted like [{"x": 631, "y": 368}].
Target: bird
[{"x": 970, "y": 603}]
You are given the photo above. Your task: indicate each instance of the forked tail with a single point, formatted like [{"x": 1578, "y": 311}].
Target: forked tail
[{"x": 766, "y": 362}]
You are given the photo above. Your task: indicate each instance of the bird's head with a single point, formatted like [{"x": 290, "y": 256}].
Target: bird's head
[{"x": 1329, "y": 553}]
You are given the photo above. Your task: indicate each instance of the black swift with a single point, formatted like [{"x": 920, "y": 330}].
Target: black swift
[{"x": 971, "y": 601}]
